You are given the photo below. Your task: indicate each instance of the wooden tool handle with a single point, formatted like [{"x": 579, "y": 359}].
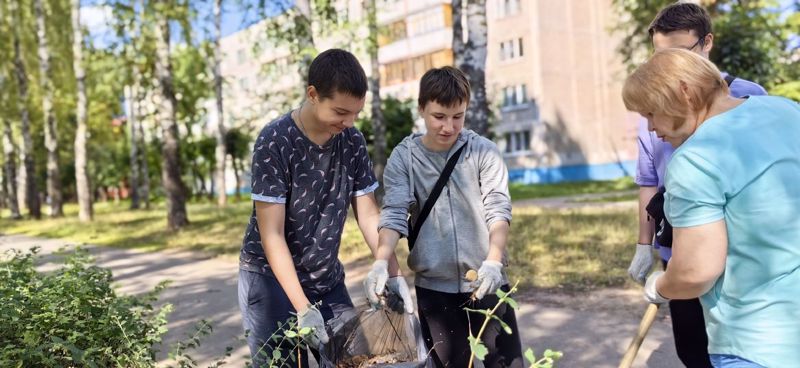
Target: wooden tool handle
[{"x": 644, "y": 326}]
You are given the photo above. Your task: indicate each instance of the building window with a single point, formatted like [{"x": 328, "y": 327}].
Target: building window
[
  {"x": 511, "y": 49},
  {"x": 392, "y": 32},
  {"x": 507, "y": 8},
  {"x": 413, "y": 68},
  {"x": 428, "y": 21},
  {"x": 515, "y": 95},
  {"x": 518, "y": 141}
]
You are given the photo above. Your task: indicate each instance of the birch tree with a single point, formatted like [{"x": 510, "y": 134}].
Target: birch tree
[
  {"x": 171, "y": 166},
  {"x": 470, "y": 57},
  {"x": 219, "y": 133},
  {"x": 85, "y": 209}
]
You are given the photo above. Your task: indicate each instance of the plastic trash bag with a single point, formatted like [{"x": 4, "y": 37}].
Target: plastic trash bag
[{"x": 375, "y": 338}]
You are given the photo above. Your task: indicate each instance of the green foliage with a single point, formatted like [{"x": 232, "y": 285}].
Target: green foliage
[
  {"x": 751, "y": 37},
  {"x": 73, "y": 317},
  {"x": 546, "y": 361},
  {"x": 750, "y": 40},
  {"x": 399, "y": 122},
  {"x": 478, "y": 349}
]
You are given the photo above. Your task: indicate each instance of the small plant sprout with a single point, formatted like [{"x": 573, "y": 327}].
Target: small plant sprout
[{"x": 479, "y": 350}]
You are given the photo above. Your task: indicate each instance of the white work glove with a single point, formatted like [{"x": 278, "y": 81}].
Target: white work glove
[
  {"x": 399, "y": 287},
  {"x": 375, "y": 282},
  {"x": 641, "y": 263},
  {"x": 489, "y": 278},
  {"x": 650, "y": 293},
  {"x": 378, "y": 279},
  {"x": 312, "y": 318}
]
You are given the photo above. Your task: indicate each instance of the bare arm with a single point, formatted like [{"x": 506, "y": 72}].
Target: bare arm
[
  {"x": 368, "y": 216},
  {"x": 270, "y": 218},
  {"x": 698, "y": 259},
  {"x": 646, "y": 225},
  {"x": 498, "y": 237}
]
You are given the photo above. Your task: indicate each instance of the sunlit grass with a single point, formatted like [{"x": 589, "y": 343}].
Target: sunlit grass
[
  {"x": 573, "y": 249},
  {"x": 520, "y": 191}
]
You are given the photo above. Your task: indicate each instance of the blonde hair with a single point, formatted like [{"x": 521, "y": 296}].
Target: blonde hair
[{"x": 655, "y": 86}]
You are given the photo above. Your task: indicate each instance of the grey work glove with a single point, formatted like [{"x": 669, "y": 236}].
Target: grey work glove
[
  {"x": 378, "y": 280},
  {"x": 642, "y": 263},
  {"x": 490, "y": 277},
  {"x": 312, "y": 318},
  {"x": 650, "y": 293}
]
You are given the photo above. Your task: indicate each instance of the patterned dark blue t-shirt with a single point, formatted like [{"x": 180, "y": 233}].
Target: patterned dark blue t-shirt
[{"x": 316, "y": 183}]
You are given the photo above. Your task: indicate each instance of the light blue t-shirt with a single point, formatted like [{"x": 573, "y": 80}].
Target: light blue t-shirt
[{"x": 744, "y": 166}]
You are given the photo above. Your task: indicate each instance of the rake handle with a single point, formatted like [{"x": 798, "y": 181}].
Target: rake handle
[{"x": 644, "y": 326}]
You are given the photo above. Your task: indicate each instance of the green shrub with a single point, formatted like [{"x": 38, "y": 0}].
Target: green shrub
[{"x": 73, "y": 317}]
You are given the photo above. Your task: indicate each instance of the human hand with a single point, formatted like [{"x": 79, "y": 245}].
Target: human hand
[
  {"x": 641, "y": 263},
  {"x": 375, "y": 282},
  {"x": 650, "y": 292},
  {"x": 313, "y": 319},
  {"x": 489, "y": 278}
]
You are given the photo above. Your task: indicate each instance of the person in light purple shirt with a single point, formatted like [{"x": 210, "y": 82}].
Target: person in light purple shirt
[{"x": 687, "y": 26}]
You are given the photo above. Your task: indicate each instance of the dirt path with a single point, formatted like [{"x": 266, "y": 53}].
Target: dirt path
[{"x": 592, "y": 329}]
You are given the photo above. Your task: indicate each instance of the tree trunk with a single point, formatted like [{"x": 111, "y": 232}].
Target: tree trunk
[
  {"x": 219, "y": 153},
  {"x": 236, "y": 176},
  {"x": 378, "y": 122},
  {"x": 31, "y": 194},
  {"x": 10, "y": 171},
  {"x": 144, "y": 193},
  {"x": 475, "y": 67},
  {"x": 50, "y": 123},
  {"x": 458, "y": 32},
  {"x": 171, "y": 167},
  {"x": 85, "y": 211},
  {"x": 305, "y": 38},
  {"x": 133, "y": 152},
  {"x": 471, "y": 59}
]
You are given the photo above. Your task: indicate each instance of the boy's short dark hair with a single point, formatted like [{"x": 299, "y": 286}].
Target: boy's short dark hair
[
  {"x": 446, "y": 86},
  {"x": 337, "y": 70},
  {"x": 681, "y": 16}
]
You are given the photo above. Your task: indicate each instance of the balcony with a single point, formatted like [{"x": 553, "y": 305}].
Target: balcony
[
  {"x": 415, "y": 46},
  {"x": 400, "y": 9}
]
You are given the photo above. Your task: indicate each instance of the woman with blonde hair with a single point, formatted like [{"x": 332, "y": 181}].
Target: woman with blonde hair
[{"x": 734, "y": 203}]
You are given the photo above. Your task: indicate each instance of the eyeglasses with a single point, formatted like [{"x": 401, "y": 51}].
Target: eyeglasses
[{"x": 698, "y": 43}]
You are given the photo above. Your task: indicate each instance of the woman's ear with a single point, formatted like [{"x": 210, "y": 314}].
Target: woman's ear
[{"x": 687, "y": 98}]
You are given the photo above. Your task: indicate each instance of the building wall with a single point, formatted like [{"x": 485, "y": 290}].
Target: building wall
[
  {"x": 553, "y": 78},
  {"x": 579, "y": 128}
]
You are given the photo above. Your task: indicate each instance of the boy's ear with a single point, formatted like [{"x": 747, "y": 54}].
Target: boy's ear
[
  {"x": 312, "y": 95},
  {"x": 420, "y": 109}
]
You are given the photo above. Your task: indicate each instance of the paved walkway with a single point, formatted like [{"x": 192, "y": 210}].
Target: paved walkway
[{"x": 592, "y": 329}]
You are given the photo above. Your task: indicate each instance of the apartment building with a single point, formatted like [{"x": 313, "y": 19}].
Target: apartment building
[
  {"x": 556, "y": 80},
  {"x": 553, "y": 79}
]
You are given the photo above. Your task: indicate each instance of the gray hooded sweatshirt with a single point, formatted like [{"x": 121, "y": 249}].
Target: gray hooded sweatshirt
[{"x": 455, "y": 237}]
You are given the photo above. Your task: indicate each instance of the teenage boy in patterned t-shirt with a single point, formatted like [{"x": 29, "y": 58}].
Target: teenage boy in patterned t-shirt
[{"x": 308, "y": 167}]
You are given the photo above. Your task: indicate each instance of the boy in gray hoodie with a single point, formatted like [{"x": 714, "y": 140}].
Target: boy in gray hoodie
[{"x": 466, "y": 229}]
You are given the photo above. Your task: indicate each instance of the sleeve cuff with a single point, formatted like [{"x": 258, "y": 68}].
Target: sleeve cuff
[
  {"x": 367, "y": 190},
  {"x": 267, "y": 199}
]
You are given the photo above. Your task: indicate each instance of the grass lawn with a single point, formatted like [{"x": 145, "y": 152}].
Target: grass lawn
[
  {"x": 575, "y": 249},
  {"x": 520, "y": 191}
]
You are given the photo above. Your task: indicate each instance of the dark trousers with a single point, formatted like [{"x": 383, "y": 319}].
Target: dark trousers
[
  {"x": 446, "y": 325},
  {"x": 265, "y": 309},
  {"x": 689, "y": 330}
]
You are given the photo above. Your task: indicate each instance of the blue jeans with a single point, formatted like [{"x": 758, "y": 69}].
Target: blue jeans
[
  {"x": 732, "y": 361},
  {"x": 265, "y": 307}
]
